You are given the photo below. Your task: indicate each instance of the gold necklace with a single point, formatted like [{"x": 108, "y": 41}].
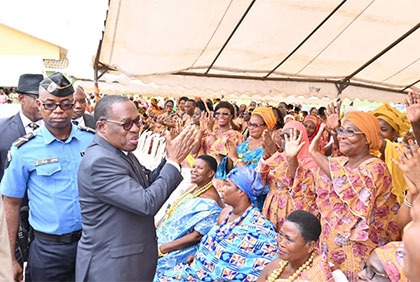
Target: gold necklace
[
  {"x": 282, "y": 265},
  {"x": 185, "y": 197}
]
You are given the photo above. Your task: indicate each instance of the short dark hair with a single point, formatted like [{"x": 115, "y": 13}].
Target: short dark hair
[
  {"x": 183, "y": 98},
  {"x": 211, "y": 162},
  {"x": 225, "y": 105},
  {"x": 192, "y": 101},
  {"x": 308, "y": 224},
  {"x": 103, "y": 108}
]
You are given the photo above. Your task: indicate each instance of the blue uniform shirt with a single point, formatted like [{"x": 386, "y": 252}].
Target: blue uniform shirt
[{"x": 47, "y": 167}]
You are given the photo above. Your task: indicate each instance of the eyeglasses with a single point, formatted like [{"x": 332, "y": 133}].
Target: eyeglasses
[
  {"x": 255, "y": 125},
  {"x": 127, "y": 125},
  {"x": 370, "y": 273},
  {"x": 223, "y": 114},
  {"x": 349, "y": 132},
  {"x": 52, "y": 106}
]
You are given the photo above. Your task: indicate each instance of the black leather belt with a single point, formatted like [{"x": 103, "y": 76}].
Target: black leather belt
[{"x": 65, "y": 238}]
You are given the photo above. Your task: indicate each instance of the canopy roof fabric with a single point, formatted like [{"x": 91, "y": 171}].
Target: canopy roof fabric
[{"x": 269, "y": 49}]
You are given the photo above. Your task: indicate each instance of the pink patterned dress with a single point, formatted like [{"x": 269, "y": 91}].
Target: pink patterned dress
[
  {"x": 287, "y": 193},
  {"x": 358, "y": 212}
]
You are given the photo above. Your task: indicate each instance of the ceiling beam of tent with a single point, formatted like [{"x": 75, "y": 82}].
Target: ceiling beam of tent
[
  {"x": 341, "y": 85},
  {"x": 296, "y": 79},
  {"x": 410, "y": 85},
  {"x": 306, "y": 38},
  {"x": 230, "y": 36}
]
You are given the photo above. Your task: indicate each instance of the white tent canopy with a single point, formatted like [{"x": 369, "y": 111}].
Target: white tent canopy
[{"x": 267, "y": 49}]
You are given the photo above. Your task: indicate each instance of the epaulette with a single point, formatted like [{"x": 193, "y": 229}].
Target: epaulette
[
  {"x": 22, "y": 140},
  {"x": 88, "y": 129}
]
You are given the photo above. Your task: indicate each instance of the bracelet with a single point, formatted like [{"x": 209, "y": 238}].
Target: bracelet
[
  {"x": 407, "y": 203},
  {"x": 235, "y": 163},
  {"x": 160, "y": 254}
]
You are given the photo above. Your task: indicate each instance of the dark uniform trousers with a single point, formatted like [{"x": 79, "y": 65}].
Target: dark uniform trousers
[{"x": 52, "y": 260}]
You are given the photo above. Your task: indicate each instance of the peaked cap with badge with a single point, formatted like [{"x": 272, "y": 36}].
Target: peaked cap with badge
[
  {"x": 58, "y": 85},
  {"x": 29, "y": 84}
]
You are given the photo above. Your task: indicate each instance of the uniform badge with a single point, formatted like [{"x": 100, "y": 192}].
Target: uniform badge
[{"x": 46, "y": 161}]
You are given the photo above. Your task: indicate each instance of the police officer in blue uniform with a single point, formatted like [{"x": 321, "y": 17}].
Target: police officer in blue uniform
[{"x": 45, "y": 163}]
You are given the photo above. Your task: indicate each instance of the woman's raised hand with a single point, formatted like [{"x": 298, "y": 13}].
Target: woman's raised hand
[
  {"x": 409, "y": 163},
  {"x": 231, "y": 150},
  {"x": 268, "y": 144},
  {"x": 293, "y": 143},
  {"x": 333, "y": 116},
  {"x": 413, "y": 106}
]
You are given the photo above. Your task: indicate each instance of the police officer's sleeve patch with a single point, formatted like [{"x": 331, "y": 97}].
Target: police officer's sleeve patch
[
  {"x": 9, "y": 159},
  {"x": 22, "y": 140}
]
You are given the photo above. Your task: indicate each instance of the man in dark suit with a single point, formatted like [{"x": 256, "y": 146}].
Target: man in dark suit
[
  {"x": 119, "y": 239},
  {"x": 25, "y": 121},
  {"x": 80, "y": 117}
]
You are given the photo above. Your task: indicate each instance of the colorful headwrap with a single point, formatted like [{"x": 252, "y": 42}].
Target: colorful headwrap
[
  {"x": 392, "y": 260},
  {"x": 154, "y": 101},
  {"x": 248, "y": 180},
  {"x": 369, "y": 125},
  {"x": 266, "y": 113},
  {"x": 394, "y": 118}
]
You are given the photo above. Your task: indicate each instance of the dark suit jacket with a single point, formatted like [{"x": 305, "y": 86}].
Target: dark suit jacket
[
  {"x": 10, "y": 129},
  {"x": 89, "y": 120},
  {"x": 118, "y": 206}
]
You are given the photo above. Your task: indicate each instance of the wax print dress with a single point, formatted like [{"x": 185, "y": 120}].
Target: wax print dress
[
  {"x": 231, "y": 252},
  {"x": 358, "y": 212},
  {"x": 199, "y": 214}
]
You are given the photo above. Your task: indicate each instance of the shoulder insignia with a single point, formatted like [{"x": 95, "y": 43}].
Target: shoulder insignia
[
  {"x": 88, "y": 129},
  {"x": 22, "y": 140}
]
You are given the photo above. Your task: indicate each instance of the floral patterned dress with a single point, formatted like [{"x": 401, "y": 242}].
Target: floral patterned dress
[
  {"x": 287, "y": 193},
  {"x": 358, "y": 212}
]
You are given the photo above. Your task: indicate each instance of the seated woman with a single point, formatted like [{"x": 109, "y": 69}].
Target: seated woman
[
  {"x": 385, "y": 263},
  {"x": 243, "y": 242},
  {"x": 189, "y": 217},
  {"x": 297, "y": 246}
]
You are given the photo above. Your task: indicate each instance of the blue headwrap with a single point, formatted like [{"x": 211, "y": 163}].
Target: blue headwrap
[{"x": 248, "y": 180}]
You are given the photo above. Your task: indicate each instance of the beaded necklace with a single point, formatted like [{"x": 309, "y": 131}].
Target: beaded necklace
[
  {"x": 188, "y": 195},
  {"x": 220, "y": 232},
  {"x": 282, "y": 265}
]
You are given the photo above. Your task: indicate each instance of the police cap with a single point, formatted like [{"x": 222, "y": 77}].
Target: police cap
[{"x": 58, "y": 85}]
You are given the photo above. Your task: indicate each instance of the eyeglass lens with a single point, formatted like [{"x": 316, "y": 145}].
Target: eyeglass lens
[
  {"x": 129, "y": 124},
  {"x": 53, "y": 106}
]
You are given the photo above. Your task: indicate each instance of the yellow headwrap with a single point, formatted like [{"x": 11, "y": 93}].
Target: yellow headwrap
[
  {"x": 266, "y": 113},
  {"x": 394, "y": 118},
  {"x": 369, "y": 125}
]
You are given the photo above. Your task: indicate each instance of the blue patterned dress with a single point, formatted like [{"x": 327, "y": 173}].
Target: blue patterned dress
[
  {"x": 226, "y": 254},
  {"x": 199, "y": 214}
]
